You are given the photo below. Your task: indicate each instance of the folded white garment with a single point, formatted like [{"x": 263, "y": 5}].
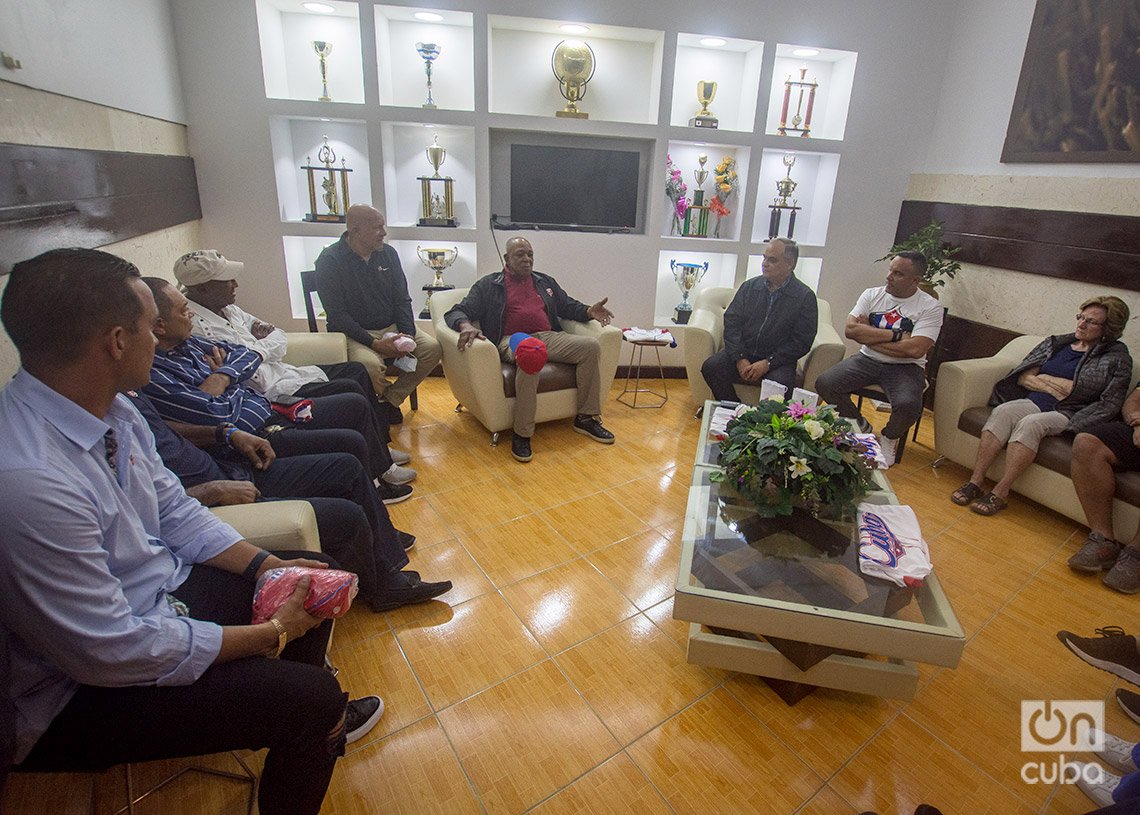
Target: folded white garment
[{"x": 891, "y": 544}]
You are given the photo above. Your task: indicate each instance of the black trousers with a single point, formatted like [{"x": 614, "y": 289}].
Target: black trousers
[
  {"x": 292, "y": 706},
  {"x": 720, "y": 374},
  {"x": 339, "y": 375},
  {"x": 353, "y": 522},
  {"x": 341, "y": 423}
]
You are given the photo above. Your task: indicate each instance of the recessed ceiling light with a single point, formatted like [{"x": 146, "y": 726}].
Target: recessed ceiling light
[
  {"x": 428, "y": 16},
  {"x": 323, "y": 119},
  {"x": 574, "y": 28},
  {"x": 806, "y": 52},
  {"x": 318, "y": 8},
  {"x": 713, "y": 42}
]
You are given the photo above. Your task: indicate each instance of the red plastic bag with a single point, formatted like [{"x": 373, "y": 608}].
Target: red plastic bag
[{"x": 330, "y": 592}]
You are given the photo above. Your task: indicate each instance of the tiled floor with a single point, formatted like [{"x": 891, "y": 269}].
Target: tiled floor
[{"x": 554, "y": 677}]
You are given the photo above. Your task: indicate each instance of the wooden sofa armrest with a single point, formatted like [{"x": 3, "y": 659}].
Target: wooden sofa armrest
[{"x": 275, "y": 525}]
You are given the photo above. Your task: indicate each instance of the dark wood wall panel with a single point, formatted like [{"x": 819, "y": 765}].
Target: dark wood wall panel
[
  {"x": 52, "y": 197},
  {"x": 1093, "y": 248}
]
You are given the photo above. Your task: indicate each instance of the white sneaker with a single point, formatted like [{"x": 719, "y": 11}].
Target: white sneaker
[
  {"x": 1117, "y": 752},
  {"x": 1099, "y": 789},
  {"x": 399, "y": 456},
  {"x": 399, "y": 475},
  {"x": 889, "y": 448}
]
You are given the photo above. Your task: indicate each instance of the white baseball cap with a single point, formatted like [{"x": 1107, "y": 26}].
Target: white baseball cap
[{"x": 204, "y": 265}]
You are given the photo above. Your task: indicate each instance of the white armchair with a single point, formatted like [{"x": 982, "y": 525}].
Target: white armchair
[
  {"x": 704, "y": 336},
  {"x": 479, "y": 382}
]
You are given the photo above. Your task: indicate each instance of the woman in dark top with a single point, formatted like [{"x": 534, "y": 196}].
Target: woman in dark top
[{"x": 1066, "y": 384}]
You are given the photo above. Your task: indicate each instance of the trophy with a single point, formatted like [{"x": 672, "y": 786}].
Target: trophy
[
  {"x": 323, "y": 50},
  {"x": 436, "y": 209},
  {"x": 430, "y": 53},
  {"x": 797, "y": 120},
  {"x": 697, "y": 215},
  {"x": 687, "y": 275},
  {"x": 336, "y": 205},
  {"x": 573, "y": 66},
  {"x": 785, "y": 187},
  {"x": 706, "y": 92},
  {"x": 437, "y": 260}
]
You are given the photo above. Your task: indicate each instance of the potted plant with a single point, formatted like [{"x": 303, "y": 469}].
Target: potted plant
[{"x": 940, "y": 263}]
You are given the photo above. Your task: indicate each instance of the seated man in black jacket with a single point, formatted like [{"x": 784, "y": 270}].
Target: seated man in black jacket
[{"x": 769, "y": 325}]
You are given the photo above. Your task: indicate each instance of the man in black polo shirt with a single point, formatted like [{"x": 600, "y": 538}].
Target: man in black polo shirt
[{"x": 365, "y": 295}]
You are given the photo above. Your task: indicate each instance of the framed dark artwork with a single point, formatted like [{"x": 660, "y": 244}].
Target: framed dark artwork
[{"x": 1078, "y": 98}]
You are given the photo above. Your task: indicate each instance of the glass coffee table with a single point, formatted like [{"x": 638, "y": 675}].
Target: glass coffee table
[{"x": 783, "y": 598}]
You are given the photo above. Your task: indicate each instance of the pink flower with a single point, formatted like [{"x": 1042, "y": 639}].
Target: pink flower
[
  {"x": 682, "y": 207},
  {"x": 797, "y": 410}
]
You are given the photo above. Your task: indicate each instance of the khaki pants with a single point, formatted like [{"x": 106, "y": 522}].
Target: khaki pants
[
  {"x": 584, "y": 352},
  {"x": 1023, "y": 422},
  {"x": 427, "y": 354}
]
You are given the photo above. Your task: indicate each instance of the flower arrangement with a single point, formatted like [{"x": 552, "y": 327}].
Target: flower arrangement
[
  {"x": 781, "y": 455},
  {"x": 675, "y": 189},
  {"x": 727, "y": 183}
]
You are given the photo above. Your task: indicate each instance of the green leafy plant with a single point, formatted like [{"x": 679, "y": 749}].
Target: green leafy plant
[
  {"x": 781, "y": 455},
  {"x": 940, "y": 263}
]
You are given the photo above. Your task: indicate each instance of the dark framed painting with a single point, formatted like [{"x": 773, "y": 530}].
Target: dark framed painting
[{"x": 1078, "y": 98}]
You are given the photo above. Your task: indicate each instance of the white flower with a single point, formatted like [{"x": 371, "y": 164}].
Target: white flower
[
  {"x": 813, "y": 428},
  {"x": 798, "y": 467}
]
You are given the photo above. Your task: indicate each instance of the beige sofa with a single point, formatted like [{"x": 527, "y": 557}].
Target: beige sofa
[
  {"x": 704, "y": 336},
  {"x": 960, "y": 411},
  {"x": 484, "y": 385}
]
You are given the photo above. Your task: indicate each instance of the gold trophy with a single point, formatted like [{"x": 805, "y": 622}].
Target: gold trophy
[
  {"x": 336, "y": 205},
  {"x": 697, "y": 215},
  {"x": 323, "y": 50},
  {"x": 797, "y": 120},
  {"x": 706, "y": 92},
  {"x": 785, "y": 187},
  {"x": 437, "y": 260},
  {"x": 687, "y": 275},
  {"x": 573, "y": 66},
  {"x": 436, "y": 209}
]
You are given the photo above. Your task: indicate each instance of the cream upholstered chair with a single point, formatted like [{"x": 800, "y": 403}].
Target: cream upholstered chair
[
  {"x": 704, "y": 336},
  {"x": 485, "y": 386}
]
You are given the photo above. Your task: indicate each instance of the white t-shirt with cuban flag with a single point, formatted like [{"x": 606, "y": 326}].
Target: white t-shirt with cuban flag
[{"x": 920, "y": 315}]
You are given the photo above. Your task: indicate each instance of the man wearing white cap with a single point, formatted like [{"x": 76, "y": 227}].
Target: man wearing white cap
[{"x": 210, "y": 282}]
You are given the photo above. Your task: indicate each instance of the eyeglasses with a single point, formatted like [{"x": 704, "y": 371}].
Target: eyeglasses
[{"x": 1089, "y": 321}]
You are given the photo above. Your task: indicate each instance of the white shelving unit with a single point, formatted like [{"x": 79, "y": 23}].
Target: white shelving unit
[
  {"x": 734, "y": 66},
  {"x": 403, "y": 82},
  {"x": 815, "y": 175},
  {"x": 833, "y": 70},
  {"x": 290, "y": 65},
  {"x": 407, "y": 143},
  {"x": 686, "y": 157},
  {"x": 721, "y": 272},
  {"x": 296, "y": 142}
]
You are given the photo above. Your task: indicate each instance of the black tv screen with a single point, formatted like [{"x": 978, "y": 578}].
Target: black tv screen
[{"x": 574, "y": 186}]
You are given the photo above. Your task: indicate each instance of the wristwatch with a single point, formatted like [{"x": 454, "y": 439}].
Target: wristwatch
[
  {"x": 282, "y": 637},
  {"x": 221, "y": 432}
]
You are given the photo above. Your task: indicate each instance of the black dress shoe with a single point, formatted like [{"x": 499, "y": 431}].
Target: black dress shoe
[
  {"x": 590, "y": 426},
  {"x": 405, "y": 589},
  {"x": 395, "y": 415},
  {"x": 393, "y": 493},
  {"x": 520, "y": 448},
  {"x": 407, "y": 539}
]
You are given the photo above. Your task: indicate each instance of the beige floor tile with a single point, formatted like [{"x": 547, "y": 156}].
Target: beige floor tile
[
  {"x": 824, "y": 729},
  {"x": 614, "y": 788},
  {"x": 413, "y": 771},
  {"x": 593, "y": 522},
  {"x": 444, "y": 561},
  {"x": 525, "y": 738},
  {"x": 662, "y": 617},
  {"x": 828, "y": 802},
  {"x": 889, "y": 776},
  {"x": 482, "y": 643},
  {"x": 518, "y": 549},
  {"x": 715, "y": 757},
  {"x": 360, "y": 623},
  {"x": 643, "y": 566},
  {"x": 567, "y": 604},
  {"x": 610, "y": 670},
  {"x": 477, "y": 506},
  {"x": 417, "y": 516},
  {"x": 377, "y": 666}
]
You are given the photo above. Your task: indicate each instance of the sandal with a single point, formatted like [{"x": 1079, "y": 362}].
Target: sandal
[
  {"x": 989, "y": 504},
  {"x": 966, "y": 494}
]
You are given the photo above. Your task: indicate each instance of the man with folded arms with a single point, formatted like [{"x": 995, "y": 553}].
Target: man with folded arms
[
  {"x": 126, "y": 603},
  {"x": 199, "y": 382},
  {"x": 210, "y": 282}
]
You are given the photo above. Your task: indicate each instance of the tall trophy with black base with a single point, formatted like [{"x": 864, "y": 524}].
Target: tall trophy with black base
[
  {"x": 687, "y": 275},
  {"x": 437, "y": 209}
]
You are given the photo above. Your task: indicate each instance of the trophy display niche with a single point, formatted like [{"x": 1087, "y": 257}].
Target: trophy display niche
[
  {"x": 573, "y": 66},
  {"x": 706, "y": 92},
  {"x": 437, "y": 209},
  {"x": 687, "y": 275},
  {"x": 332, "y": 177},
  {"x": 430, "y": 53},
  {"x": 323, "y": 49},
  {"x": 785, "y": 187},
  {"x": 801, "y": 85},
  {"x": 697, "y": 215},
  {"x": 437, "y": 260}
]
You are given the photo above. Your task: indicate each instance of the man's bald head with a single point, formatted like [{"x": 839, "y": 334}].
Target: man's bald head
[
  {"x": 519, "y": 257},
  {"x": 366, "y": 230}
]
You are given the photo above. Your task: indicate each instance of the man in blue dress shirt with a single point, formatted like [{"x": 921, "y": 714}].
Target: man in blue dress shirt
[{"x": 126, "y": 604}]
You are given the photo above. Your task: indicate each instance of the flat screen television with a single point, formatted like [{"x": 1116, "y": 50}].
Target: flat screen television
[{"x": 574, "y": 186}]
